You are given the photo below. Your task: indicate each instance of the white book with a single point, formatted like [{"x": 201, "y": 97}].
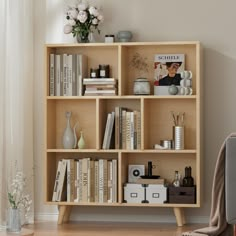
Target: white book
[
  {"x": 80, "y": 180},
  {"x": 101, "y": 180},
  {"x": 114, "y": 180},
  {"x": 61, "y": 180},
  {"x": 77, "y": 164},
  {"x": 105, "y": 137},
  {"x": 82, "y": 68},
  {"x": 52, "y": 75},
  {"x": 55, "y": 190},
  {"x": 68, "y": 181},
  {"x": 96, "y": 181},
  {"x": 69, "y": 75},
  {"x": 65, "y": 77},
  {"x": 132, "y": 130},
  {"x": 58, "y": 75},
  {"x": 109, "y": 182}
]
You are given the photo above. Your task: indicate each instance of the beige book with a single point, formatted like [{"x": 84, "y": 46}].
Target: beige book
[{"x": 150, "y": 181}]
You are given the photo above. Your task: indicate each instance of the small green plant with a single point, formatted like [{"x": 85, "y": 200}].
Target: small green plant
[{"x": 140, "y": 64}]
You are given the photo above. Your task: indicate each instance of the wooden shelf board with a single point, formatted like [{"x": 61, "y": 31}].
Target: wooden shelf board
[
  {"x": 122, "y": 151},
  {"x": 122, "y": 204}
]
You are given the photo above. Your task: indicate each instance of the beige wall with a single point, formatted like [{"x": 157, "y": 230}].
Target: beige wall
[{"x": 211, "y": 22}]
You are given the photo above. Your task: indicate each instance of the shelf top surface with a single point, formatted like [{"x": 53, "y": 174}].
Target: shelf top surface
[{"x": 100, "y": 44}]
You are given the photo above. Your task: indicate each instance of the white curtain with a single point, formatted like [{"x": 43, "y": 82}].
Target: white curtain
[{"x": 16, "y": 97}]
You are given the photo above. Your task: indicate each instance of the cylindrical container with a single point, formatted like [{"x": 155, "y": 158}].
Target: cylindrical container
[
  {"x": 168, "y": 144},
  {"x": 109, "y": 38},
  {"x": 104, "y": 71},
  {"x": 178, "y": 136},
  {"x": 94, "y": 73}
]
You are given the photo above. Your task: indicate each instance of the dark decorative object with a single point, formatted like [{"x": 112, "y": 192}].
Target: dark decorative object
[
  {"x": 104, "y": 71},
  {"x": 182, "y": 195},
  {"x": 188, "y": 180}
]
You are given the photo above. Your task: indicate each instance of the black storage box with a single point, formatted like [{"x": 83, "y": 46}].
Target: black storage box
[{"x": 183, "y": 195}]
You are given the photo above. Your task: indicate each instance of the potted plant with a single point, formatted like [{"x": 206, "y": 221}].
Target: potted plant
[
  {"x": 141, "y": 84},
  {"x": 18, "y": 201},
  {"x": 82, "y": 19}
]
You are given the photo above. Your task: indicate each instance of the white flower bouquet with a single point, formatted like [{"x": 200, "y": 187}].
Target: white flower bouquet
[
  {"x": 82, "y": 19},
  {"x": 16, "y": 197}
]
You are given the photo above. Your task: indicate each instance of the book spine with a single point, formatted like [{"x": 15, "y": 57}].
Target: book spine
[
  {"x": 132, "y": 130},
  {"x": 85, "y": 180},
  {"x": 58, "y": 75},
  {"x": 68, "y": 192},
  {"x": 110, "y": 130},
  {"x": 92, "y": 181},
  {"x": 80, "y": 180},
  {"x": 55, "y": 190},
  {"x": 139, "y": 130},
  {"x": 52, "y": 75},
  {"x": 101, "y": 180},
  {"x": 123, "y": 129},
  {"x": 74, "y": 73},
  {"x": 76, "y": 185},
  {"x": 96, "y": 181},
  {"x": 105, "y": 138},
  {"x": 114, "y": 180},
  {"x": 61, "y": 180},
  {"x": 65, "y": 73},
  {"x": 117, "y": 128},
  {"x": 128, "y": 130},
  {"x": 69, "y": 75},
  {"x": 109, "y": 182},
  {"x": 105, "y": 181}
]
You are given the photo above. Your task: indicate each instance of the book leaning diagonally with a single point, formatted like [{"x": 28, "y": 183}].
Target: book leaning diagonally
[
  {"x": 55, "y": 190},
  {"x": 61, "y": 180}
]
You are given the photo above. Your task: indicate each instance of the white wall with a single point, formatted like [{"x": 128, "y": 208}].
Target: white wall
[{"x": 211, "y": 22}]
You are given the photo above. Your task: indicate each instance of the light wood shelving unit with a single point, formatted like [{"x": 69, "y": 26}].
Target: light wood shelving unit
[{"x": 156, "y": 121}]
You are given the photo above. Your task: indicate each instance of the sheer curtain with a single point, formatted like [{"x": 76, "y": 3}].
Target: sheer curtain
[{"x": 16, "y": 97}]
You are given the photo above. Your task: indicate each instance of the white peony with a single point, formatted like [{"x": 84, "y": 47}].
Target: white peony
[
  {"x": 95, "y": 21},
  {"x": 82, "y": 16},
  {"x": 93, "y": 11},
  {"x": 67, "y": 29},
  {"x": 71, "y": 22},
  {"x": 100, "y": 17},
  {"x": 73, "y": 13},
  {"x": 82, "y": 6}
]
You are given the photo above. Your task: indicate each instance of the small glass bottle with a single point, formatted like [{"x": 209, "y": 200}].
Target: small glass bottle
[
  {"x": 188, "y": 180},
  {"x": 176, "y": 182}
]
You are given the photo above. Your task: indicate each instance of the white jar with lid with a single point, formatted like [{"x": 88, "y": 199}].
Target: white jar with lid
[{"x": 109, "y": 38}]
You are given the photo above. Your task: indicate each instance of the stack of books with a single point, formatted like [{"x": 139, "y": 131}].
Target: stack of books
[{"x": 100, "y": 86}]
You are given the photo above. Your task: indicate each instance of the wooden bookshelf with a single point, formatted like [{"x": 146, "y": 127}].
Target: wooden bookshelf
[{"x": 156, "y": 121}]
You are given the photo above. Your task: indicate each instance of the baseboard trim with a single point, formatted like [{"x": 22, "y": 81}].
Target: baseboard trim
[{"x": 158, "y": 219}]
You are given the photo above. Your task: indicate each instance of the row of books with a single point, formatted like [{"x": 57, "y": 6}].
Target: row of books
[
  {"x": 123, "y": 129},
  {"x": 86, "y": 180},
  {"x": 66, "y": 74},
  {"x": 100, "y": 86}
]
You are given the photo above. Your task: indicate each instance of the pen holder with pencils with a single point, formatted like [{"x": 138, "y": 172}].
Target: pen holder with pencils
[{"x": 178, "y": 137}]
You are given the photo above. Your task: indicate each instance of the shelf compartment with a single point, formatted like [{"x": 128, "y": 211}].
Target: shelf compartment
[
  {"x": 108, "y": 105},
  {"x": 52, "y": 159},
  {"x": 165, "y": 165},
  {"x": 83, "y": 111},
  {"x": 108, "y": 54},
  {"x": 158, "y": 121},
  {"x": 148, "y": 51}
]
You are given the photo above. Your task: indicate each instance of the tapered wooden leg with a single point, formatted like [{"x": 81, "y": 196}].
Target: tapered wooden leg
[
  {"x": 179, "y": 215},
  {"x": 67, "y": 214},
  {"x": 62, "y": 211}
]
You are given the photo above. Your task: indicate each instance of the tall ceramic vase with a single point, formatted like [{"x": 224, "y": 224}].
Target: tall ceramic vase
[
  {"x": 13, "y": 220},
  {"x": 68, "y": 136}
]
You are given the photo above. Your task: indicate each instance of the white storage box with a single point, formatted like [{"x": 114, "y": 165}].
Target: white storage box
[
  {"x": 134, "y": 193},
  {"x": 156, "y": 193}
]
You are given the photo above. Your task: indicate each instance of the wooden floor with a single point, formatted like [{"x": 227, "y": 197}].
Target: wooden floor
[{"x": 111, "y": 229}]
